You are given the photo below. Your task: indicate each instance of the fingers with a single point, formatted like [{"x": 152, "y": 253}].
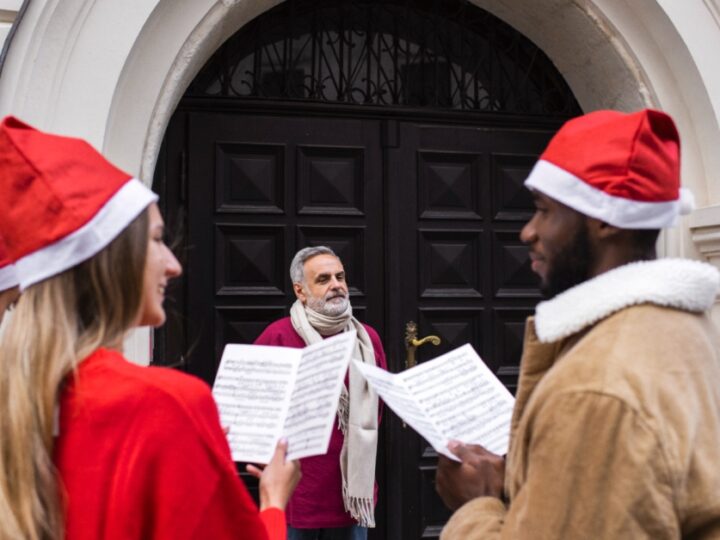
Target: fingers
[
  {"x": 254, "y": 471},
  {"x": 481, "y": 473},
  {"x": 467, "y": 452},
  {"x": 296, "y": 468},
  {"x": 278, "y": 458},
  {"x": 280, "y": 451},
  {"x": 278, "y": 479},
  {"x": 444, "y": 481},
  {"x": 459, "y": 449}
]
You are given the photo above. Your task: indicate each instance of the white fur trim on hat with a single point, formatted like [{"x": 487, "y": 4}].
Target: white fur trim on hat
[
  {"x": 8, "y": 277},
  {"x": 570, "y": 190},
  {"x": 687, "y": 201},
  {"x": 123, "y": 207}
]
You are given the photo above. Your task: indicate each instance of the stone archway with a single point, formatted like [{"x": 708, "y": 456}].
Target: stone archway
[
  {"x": 113, "y": 75},
  {"x": 608, "y": 53},
  {"x": 396, "y": 132},
  {"x": 597, "y": 52},
  {"x": 121, "y": 95}
]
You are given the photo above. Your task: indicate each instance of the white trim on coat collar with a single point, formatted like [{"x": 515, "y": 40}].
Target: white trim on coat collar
[{"x": 679, "y": 283}]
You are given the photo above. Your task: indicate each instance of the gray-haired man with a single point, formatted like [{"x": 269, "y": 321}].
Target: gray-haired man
[{"x": 335, "y": 499}]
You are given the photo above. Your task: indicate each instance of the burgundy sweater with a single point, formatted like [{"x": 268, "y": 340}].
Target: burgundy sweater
[{"x": 317, "y": 501}]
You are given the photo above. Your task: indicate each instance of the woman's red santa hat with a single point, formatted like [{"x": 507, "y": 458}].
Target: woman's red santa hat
[
  {"x": 62, "y": 202},
  {"x": 8, "y": 275},
  {"x": 623, "y": 169}
]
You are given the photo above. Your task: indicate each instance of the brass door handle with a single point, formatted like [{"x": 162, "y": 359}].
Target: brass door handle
[
  {"x": 417, "y": 342},
  {"x": 412, "y": 342}
]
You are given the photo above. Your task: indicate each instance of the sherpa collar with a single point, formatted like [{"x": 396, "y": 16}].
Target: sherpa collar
[{"x": 679, "y": 283}]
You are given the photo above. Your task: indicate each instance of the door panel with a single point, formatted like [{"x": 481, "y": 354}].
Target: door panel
[
  {"x": 425, "y": 217},
  {"x": 266, "y": 186},
  {"x": 456, "y": 205}
]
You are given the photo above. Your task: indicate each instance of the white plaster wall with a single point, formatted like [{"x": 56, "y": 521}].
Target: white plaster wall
[
  {"x": 61, "y": 74},
  {"x": 10, "y": 5},
  {"x": 662, "y": 42},
  {"x": 583, "y": 45},
  {"x": 65, "y": 61},
  {"x": 698, "y": 23},
  {"x": 113, "y": 72},
  {"x": 8, "y": 12},
  {"x": 162, "y": 65}
]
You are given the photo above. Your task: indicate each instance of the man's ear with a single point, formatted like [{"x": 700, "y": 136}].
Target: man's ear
[
  {"x": 299, "y": 293},
  {"x": 601, "y": 230}
]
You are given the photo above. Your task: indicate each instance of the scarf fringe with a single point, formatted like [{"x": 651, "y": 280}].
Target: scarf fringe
[
  {"x": 343, "y": 413},
  {"x": 361, "y": 509}
]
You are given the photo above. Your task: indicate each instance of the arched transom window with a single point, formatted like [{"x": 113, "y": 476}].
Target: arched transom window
[{"x": 442, "y": 54}]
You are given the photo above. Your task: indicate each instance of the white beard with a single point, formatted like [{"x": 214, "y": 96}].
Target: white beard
[{"x": 328, "y": 308}]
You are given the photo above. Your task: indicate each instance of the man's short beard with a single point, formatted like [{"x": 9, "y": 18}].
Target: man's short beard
[
  {"x": 329, "y": 309},
  {"x": 571, "y": 265}
]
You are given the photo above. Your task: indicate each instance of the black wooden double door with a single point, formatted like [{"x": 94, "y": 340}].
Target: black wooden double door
[{"x": 424, "y": 214}]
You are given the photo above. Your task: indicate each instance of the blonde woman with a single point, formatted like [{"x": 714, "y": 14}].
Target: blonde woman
[{"x": 91, "y": 445}]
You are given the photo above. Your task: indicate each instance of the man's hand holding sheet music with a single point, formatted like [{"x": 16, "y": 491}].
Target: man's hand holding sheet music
[
  {"x": 454, "y": 398},
  {"x": 480, "y": 474}
]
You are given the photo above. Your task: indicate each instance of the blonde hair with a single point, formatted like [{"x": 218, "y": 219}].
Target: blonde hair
[{"x": 57, "y": 323}]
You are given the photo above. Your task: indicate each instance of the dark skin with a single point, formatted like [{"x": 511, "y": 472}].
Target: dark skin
[
  {"x": 548, "y": 232},
  {"x": 479, "y": 473},
  {"x": 552, "y": 235}
]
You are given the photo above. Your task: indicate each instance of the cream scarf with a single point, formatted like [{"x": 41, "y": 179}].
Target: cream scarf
[{"x": 357, "y": 412}]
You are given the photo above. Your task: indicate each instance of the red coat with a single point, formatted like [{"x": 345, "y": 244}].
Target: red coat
[{"x": 141, "y": 454}]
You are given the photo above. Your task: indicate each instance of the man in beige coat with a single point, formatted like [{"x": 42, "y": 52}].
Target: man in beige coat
[{"x": 616, "y": 428}]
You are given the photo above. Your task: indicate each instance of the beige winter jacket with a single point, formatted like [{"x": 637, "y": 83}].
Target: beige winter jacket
[{"x": 616, "y": 428}]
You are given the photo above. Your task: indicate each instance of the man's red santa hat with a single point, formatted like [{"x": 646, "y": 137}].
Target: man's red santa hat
[
  {"x": 62, "y": 202},
  {"x": 8, "y": 276},
  {"x": 623, "y": 169}
]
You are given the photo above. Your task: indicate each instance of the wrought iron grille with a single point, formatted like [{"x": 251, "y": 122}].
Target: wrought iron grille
[{"x": 444, "y": 54}]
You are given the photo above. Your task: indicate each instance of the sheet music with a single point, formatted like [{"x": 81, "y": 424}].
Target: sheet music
[
  {"x": 314, "y": 401},
  {"x": 396, "y": 396},
  {"x": 454, "y": 396},
  {"x": 252, "y": 390},
  {"x": 264, "y": 393}
]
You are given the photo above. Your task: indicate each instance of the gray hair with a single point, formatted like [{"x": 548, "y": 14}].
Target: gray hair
[{"x": 297, "y": 271}]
